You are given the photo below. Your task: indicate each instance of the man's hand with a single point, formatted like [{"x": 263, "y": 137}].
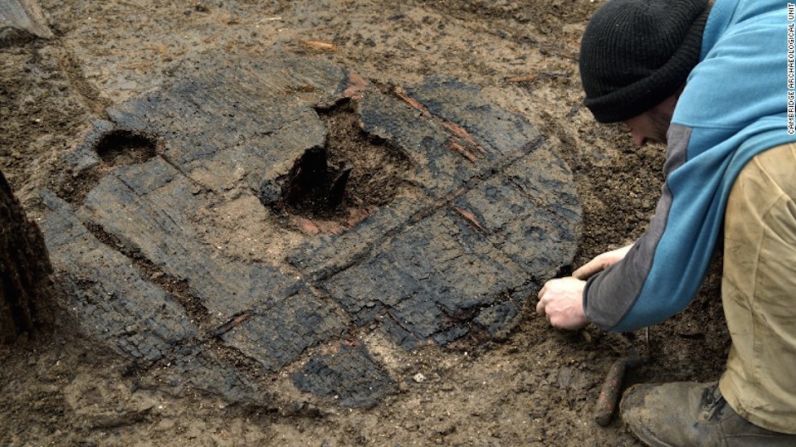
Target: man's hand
[
  {"x": 601, "y": 262},
  {"x": 562, "y": 301}
]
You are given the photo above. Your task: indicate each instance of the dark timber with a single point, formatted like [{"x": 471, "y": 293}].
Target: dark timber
[
  {"x": 24, "y": 269},
  {"x": 253, "y": 215}
]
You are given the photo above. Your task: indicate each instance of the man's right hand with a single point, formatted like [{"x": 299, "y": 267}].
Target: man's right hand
[{"x": 601, "y": 262}]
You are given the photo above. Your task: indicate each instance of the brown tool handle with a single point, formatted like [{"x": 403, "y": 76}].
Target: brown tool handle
[{"x": 610, "y": 392}]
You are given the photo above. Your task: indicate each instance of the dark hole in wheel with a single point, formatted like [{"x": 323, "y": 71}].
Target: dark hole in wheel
[
  {"x": 314, "y": 186},
  {"x": 122, "y": 147},
  {"x": 351, "y": 170}
]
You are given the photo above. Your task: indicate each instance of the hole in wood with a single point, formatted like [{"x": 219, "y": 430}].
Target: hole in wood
[
  {"x": 122, "y": 147},
  {"x": 352, "y": 173}
]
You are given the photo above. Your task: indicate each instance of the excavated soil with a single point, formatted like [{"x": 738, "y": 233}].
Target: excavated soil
[{"x": 535, "y": 387}]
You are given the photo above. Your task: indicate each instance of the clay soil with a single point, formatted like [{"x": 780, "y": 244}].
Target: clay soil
[{"x": 538, "y": 387}]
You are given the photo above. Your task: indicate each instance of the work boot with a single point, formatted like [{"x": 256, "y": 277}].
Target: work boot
[{"x": 686, "y": 414}]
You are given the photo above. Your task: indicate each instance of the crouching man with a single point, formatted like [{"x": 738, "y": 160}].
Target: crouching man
[{"x": 711, "y": 81}]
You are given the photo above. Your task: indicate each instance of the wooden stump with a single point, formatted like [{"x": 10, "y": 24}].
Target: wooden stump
[{"x": 24, "y": 270}]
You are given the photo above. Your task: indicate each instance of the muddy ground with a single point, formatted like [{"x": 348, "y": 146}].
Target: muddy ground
[{"x": 536, "y": 388}]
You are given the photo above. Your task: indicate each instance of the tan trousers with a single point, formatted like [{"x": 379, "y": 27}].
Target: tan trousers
[{"x": 759, "y": 291}]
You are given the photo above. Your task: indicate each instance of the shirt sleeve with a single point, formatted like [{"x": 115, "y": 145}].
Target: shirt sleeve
[{"x": 610, "y": 296}]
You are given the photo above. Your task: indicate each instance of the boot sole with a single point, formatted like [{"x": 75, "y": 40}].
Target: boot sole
[{"x": 650, "y": 439}]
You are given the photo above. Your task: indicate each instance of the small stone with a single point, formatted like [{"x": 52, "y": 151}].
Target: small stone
[
  {"x": 446, "y": 430},
  {"x": 270, "y": 192},
  {"x": 22, "y": 21},
  {"x": 166, "y": 424},
  {"x": 419, "y": 378}
]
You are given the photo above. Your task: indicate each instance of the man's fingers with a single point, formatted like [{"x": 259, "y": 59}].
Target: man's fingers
[
  {"x": 542, "y": 303},
  {"x": 540, "y": 306},
  {"x": 601, "y": 262},
  {"x": 588, "y": 269},
  {"x": 561, "y": 302}
]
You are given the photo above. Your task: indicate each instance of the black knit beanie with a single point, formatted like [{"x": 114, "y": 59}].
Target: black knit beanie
[{"x": 636, "y": 53}]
